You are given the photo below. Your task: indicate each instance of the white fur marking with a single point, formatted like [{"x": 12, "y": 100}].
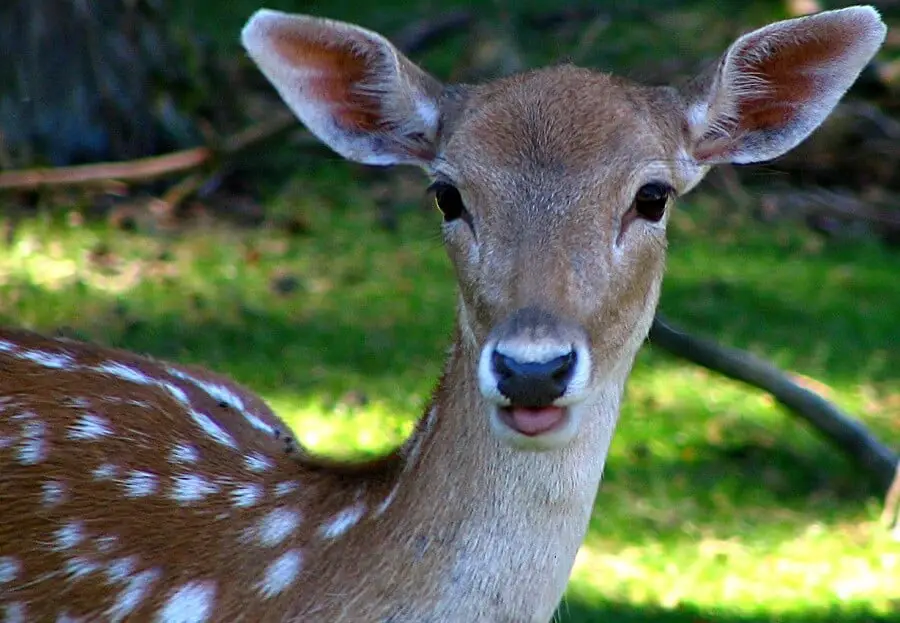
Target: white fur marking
[
  {"x": 192, "y": 603},
  {"x": 33, "y": 449},
  {"x": 283, "y": 488},
  {"x": 106, "y": 544},
  {"x": 276, "y": 526},
  {"x": 132, "y": 595},
  {"x": 90, "y": 427},
  {"x": 139, "y": 484},
  {"x": 246, "y": 495},
  {"x": 184, "y": 453},
  {"x": 379, "y": 511},
  {"x": 212, "y": 429},
  {"x": 121, "y": 569},
  {"x": 53, "y": 492},
  {"x": 14, "y": 612},
  {"x": 126, "y": 373},
  {"x": 257, "y": 462},
  {"x": 188, "y": 488},
  {"x": 343, "y": 521},
  {"x": 225, "y": 396},
  {"x": 256, "y": 422},
  {"x": 48, "y": 360},
  {"x": 105, "y": 471},
  {"x": 281, "y": 573},
  {"x": 9, "y": 569},
  {"x": 79, "y": 566},
  {"x": 176, "y": 392},
  {"x": 6, "y": 347},
  {"x": 69, "y": 535}
]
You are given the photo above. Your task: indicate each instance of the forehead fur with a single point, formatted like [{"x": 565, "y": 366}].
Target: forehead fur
[{"x": 560, "y": 121}]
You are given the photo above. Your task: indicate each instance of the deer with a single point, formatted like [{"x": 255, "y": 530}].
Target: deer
[{"x": 136, "y": 489}]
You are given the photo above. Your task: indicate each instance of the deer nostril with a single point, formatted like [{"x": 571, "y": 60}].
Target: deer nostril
[
  {"x": 566, "y": 366},
  {"x": 533, "y": 384},
  {"x": 503, "y": 365}
]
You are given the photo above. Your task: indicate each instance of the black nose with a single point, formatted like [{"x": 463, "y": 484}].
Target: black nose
[{"x": 533, "y": 384}]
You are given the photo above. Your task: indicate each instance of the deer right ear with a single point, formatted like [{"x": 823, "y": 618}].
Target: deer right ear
[
  {"x": 775, "y": 85},
  {"x": 353, "y": 89}
]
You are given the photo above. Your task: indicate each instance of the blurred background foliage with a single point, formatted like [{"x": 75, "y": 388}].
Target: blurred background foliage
[{"x": 322, "y": 284}]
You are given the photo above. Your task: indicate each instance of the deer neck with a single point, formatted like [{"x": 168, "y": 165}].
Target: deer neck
[{"x": 508, "y": 517}]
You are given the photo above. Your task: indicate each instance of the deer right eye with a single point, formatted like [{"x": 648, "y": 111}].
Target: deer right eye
[{"x": 449, "y": 202}]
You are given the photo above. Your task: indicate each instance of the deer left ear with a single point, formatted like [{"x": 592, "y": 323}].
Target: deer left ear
[
  {"x": 351, "y": 87},
  {"x": 775, "y": 85}
]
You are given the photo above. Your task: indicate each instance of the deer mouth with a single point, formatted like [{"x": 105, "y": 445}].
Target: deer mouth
[{"x": 533, "y": 421}]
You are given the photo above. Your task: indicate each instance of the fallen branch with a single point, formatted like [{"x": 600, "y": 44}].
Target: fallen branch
[
  {"x": 879, "y": 211},
  {"x": 890, "y": 516},
  {"x": 854, "y": 439},
  {"x": 145, "y": 169},
  {"x": 426, "y": 33}
]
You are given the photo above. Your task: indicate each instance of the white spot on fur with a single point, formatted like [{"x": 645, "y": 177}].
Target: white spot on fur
[
  {"x": 79, "y": 566},
  {"x": 6, "y": 441},
  {"x": 106, "y": 471},
  {"x": 6, "y": 347},
  {"x": 184, "y": 453},
  {"x": 188, "y": 488},
  {"x": 257, "y": 462},
  {"x": 9, "y": 569},
  {"x": 64, "y": 617},
  {"x": 139, "y": 484},
  {"x": 276, "y": 526},
  {"x": 126, "y": 373},
  {"x": 281, "y": 573},
  {"x": 69, "y": 535},
  {"x": 121, "y": 569},
  {"x": 222, "y": 394},
  {"x": 212, "y": 429},
  {"x": 132, "y": 595},
  {"x": 192, "y": 603},
  {"x": 48, "y": 360},
  {"x": 176, "y": 392},
  {"x": 53, "y": 492},
  {"x": 246, "y": 495},
  {"x": 108, "y": 543},
  {"x": 90, "y": 427},
  {"x": 343, "y": 521},
  {"x": 33, "y": 450},
  {"x": 379, "y": 511},
  {"x": 286, "y": 487},
  {"x": 14, "y": 612}
]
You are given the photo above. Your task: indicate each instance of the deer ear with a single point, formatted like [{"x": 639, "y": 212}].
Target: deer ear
[
  {"x": 775, "y": 85},
  {"x": 349, "y": 86}
]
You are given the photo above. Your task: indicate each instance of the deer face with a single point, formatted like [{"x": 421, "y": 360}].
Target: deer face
[{"x": 555, "y": 224}]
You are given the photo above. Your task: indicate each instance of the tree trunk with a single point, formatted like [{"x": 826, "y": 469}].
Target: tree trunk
[{"x": 82, "y": 81}]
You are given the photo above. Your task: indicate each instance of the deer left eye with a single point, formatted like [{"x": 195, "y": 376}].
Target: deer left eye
[{"x": 651, "y": 200}]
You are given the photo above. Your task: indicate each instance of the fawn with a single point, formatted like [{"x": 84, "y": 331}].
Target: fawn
[{"x": 136, "y": 489}]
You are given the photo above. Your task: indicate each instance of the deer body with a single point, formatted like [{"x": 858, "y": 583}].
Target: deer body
[{"x": 134, "y": 489}]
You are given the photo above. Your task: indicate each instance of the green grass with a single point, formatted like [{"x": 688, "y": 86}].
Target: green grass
[{"x": 716, "y": 505}]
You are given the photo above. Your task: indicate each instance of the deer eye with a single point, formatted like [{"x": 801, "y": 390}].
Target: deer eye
[
  {"x": 650, "y": 201},
  {"x": 448, "y": 200}
]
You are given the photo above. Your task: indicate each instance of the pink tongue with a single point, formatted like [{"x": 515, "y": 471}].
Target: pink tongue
[{"x": 534, "y": 421}]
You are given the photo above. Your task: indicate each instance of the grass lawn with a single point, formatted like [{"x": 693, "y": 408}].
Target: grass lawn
[{"x": 716, "y": 506}]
